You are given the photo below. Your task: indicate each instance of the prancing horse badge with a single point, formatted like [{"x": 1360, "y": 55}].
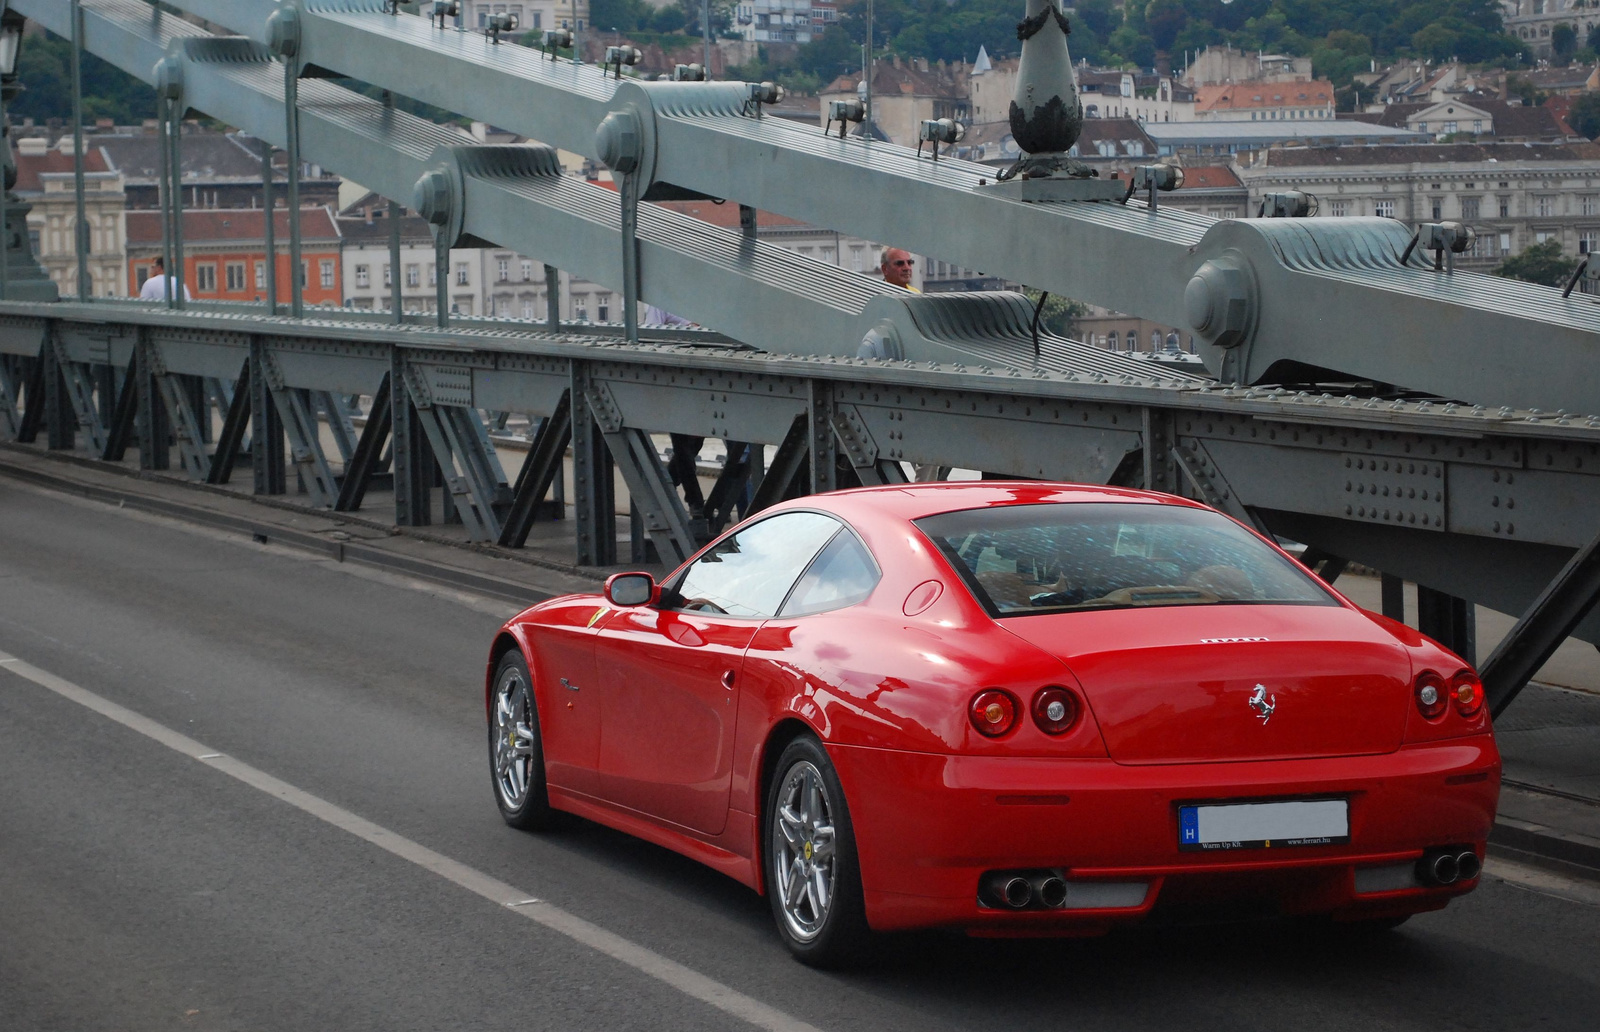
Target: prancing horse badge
[{"x": 1262, "y": 703}]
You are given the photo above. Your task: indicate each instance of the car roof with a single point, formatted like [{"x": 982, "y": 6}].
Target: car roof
[{"x": 914, "y": 501}]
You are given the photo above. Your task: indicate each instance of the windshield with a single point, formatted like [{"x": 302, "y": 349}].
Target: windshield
[{"x": 1043, "y": 558}]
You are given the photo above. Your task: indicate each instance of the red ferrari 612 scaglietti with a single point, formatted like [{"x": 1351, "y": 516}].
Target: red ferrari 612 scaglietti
[{"x": 1007, "y": 708}]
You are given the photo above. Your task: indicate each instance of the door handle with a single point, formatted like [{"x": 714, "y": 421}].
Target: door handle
[{"x": 727, "y": 679}]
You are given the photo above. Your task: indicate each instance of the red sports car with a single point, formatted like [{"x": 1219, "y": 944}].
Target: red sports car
[{"x": 1007, "y": 708}]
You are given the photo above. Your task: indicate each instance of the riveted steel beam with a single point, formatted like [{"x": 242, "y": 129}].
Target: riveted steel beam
[
  {"x": 1557, "y": 611},
  {"x": 366, "y": 458},
  {"x": 540, "y": 470},
  {"x": 235, "y": 428}
]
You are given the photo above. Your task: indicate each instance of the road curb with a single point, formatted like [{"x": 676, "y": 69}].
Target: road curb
[
  {"x": 264, "y": 532},
  {"x": 1537, "y": 843}
]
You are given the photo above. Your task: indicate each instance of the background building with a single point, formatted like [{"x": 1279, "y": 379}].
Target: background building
[
  {"x": 45, "y": 179},
  {"x": 225, "y": 254},
  {"x": 1513, "y": 195}
]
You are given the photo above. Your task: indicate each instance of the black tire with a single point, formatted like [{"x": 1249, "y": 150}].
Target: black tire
[
  {"x": 841, "y": 936},
  {"x": 515, "y": 740}
]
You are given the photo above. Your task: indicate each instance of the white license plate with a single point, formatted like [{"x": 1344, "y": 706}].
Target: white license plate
[{"x": 1300, "y": 822}]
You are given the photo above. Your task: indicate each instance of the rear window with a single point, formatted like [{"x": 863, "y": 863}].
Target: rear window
[{"x": 1046, "y": 558}]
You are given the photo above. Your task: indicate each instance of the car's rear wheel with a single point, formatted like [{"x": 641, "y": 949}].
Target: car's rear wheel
[
  {"x": 813, "y": 878},
  {"x": 516, "y": 754}
]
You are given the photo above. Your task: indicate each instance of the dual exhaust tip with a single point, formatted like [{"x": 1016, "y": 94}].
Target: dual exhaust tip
[
  {"x": 1447, "y": 866},
  {"x": 1023, "y": 890}
]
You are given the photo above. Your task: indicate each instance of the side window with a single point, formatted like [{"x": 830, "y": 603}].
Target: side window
[
  {"x": 841, "y": 575},
  {"x": 749, "y": 573}
]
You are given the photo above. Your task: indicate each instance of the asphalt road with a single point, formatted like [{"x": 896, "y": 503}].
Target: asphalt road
[{"x": 142, "y": 888}]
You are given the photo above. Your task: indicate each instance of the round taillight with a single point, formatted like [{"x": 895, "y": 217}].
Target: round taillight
[
  {"x": 1466, "y": 691},
  {"x": 1055, "y": 710},
  {"x": 1432, "y": 695},
  {"x": 993, "y": 712}
]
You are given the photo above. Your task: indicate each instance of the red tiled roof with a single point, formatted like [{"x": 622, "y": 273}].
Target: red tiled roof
[
  {"x": 1247, "y": 95},
  {"x": 1209, "y": 177},
  {"x": 219, "y": 225},
  {"x": 31, "y": 166},
  {"x": 724, "y": 215}
]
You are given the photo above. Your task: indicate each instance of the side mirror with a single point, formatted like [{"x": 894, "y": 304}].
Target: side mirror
[{"x": 630, "y": 589}]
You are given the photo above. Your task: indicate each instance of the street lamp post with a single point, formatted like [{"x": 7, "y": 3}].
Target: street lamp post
[{"x": 21, "y": 276}]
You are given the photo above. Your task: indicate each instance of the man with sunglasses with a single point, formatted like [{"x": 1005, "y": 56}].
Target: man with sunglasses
[{"x": 896, "y": 266}]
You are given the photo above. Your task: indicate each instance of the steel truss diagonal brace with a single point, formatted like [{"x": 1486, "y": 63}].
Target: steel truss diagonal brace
[
  {"x": 648, "y": 479},
  {"x": 1558, "y": 610},
  {"x": 10, "y": 420},
  {"x": 185, "y": 421},
  {"x": 80, "y": 392},
  {"x": 305, "y": 441},
  {"x": 472, "y": 472},
  {"x": 1197, "y": 466}
]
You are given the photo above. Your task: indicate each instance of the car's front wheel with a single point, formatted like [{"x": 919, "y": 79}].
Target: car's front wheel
[
  {"x": 516, "y": 754},
  {"x": 813, "y": 878}
]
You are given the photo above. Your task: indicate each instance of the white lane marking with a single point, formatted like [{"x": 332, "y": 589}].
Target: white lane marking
[
  {"x": 685, "y": 980},
  {"x": 1546, "y": 883}
]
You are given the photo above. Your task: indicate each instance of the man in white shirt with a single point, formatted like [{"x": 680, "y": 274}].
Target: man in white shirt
[{"x": 155, "y": 288}]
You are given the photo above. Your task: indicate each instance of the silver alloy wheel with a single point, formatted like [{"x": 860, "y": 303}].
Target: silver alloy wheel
[
  {"x": 513, "y": 739},
  {"x": 803, "y": 851}
]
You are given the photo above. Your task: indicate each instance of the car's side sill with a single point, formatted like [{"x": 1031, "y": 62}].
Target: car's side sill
[{"x": 740, "y": 868}]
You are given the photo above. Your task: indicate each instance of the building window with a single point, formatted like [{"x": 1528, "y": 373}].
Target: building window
[
  {"x": 1383, "y": 209},
  {"x": 1477, "y": 125},
  {"x": 327, "y": 273},
  {"x": 1542, "y": 235},
  {"x": 463, "y": 275},
  {"x": 413, "y": 275},
  {"x": 527, "y": 308},
  {"x": 857, "y": 262},
  {"x": 205, "y": 277},
  {"x": 527, "y": 270},
  {"x": 235, "y": 275},
  {"x": 1438, "y": 208},
  {"x": 1505, "y": 207},
  {"x": 502, "y": 269},
  {"x": 140, "y": 274},
  {"x": 1449, "y": 127},
  {"x": 1588, "y": 241},
  {"x": 580, "y": 308},
  {"x": 305, "y": 274},
  {"x": 364, "y": 275},
  {"x": 1339, "y": 209},
  {"x": 433, "y": 274},
  {"x": 602, "y": 308},
  {"x": 1544, "y": 205},
  {"x": 1469, "y": 208},
  {"x": 1505, "y": 243}
]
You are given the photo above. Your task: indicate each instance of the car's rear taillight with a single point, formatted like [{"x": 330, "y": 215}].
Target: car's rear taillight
[
  {"x": 1055, "y": 710},
  {"x": 993, "y": 712},
  {"x": 1432, "y": 695},
  {"x": 1466, "y": 691}
]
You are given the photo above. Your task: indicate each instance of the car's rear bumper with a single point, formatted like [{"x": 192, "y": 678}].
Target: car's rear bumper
[{"x": 929, "y": 826}]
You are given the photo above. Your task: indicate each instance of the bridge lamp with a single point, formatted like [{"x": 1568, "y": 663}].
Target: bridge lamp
[
  {"x": 556, "y": 39},
  {"x": 937, "y": 131},
  {"x": 1445, "y": 240},
  {"x": 499, "y": 23},
  {"x": 689, "y": 73},
  {"x": 10, "y": 43},
  {"x": 618, "y": 56},
  {"x": 844, "y": 112},
  {"x": 1289, "y": 204},
  {"x": 762, "y": 93},
  {"x": 1151, "y": 178}
]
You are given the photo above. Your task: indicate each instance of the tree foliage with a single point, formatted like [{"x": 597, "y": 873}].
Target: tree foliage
[
  {"x": 1060, "y": 315},
  {"x": 1584, "y": 115},
  {"x": 1563, "y": 41},
  {"x": 1539, "y": 263},
  {"x": 44, "y": 67}
]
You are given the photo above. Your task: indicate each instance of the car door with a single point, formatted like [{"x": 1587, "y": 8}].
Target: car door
[
  {"x": 563, "y": 645},
  {"x": 669, "y": 673}
]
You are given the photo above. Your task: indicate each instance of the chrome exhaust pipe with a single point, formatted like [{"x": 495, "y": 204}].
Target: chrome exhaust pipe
[
  {"x": 1441, "y": 868},
  {"x": 1468, "y": 866},
  {"x": 1018, "y": 893},
  {"x": 1050, "y": 891}
]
